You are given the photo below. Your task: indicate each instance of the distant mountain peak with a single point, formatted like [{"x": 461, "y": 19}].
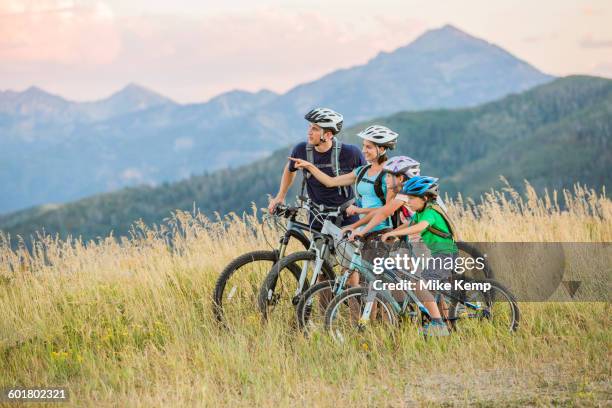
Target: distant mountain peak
[
  {"x": 133, "y": 91},
  {"x": 448, "y": 35},
  {"x": 239, "y": 93},
  {"x": 238, "y": 102},
  {"x": 31, "y": 100},
  {"x": 34, "y": 90},
  {"x": 37, "y": 92},
  {"x": 266, "y": 92},
  {"x": 134, "y": 87},
  {"x": 449, "y": 28}
]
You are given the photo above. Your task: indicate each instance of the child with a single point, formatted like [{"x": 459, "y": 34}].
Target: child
[{"x": 436, "y": 231}]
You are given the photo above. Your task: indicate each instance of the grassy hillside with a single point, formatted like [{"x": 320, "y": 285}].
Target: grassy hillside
[
  {"x": 131, "y": 325},
  {"x": 554, "y": 135}
]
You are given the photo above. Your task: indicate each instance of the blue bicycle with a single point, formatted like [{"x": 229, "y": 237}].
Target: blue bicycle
[
  {"x": 313, "y": 303},
  {"x": 472, "y": 304}
]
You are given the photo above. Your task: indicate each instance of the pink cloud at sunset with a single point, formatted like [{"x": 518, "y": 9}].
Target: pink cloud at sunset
[
  {"x": 193, "y": 50},
  {"x": 57, "y": 31},
  {"x": 247, "y": 50}
]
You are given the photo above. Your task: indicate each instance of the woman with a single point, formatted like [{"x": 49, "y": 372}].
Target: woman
[
  {"x": 371, "y": 185},
  {"x": 399, "y": 169}
]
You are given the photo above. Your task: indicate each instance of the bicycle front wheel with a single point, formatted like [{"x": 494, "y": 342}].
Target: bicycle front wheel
[
  {"x": 281, "y": 291},
  {"x": 343, "y": 318},
  {"x": 310, "y": 311}
]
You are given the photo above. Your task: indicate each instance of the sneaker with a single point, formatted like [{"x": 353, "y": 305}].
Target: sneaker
[{"x": 435, "y": 329}]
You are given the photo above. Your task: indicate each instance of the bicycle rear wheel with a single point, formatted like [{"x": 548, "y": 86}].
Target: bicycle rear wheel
[
  {"x": 235, "y": 293},
  {"x": 476, "y": 310}
]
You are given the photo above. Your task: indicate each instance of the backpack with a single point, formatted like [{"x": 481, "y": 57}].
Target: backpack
[
  {"x": 396, "y": 220},
  {"x": 378, "y": 189},
  {"x": 335, "y": 165},
  {"x": 451, "y": 227}
]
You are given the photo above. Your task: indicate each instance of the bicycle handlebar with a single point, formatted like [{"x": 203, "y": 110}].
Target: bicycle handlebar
[
  {"x": 285, "y": 211},
  {"x": 325, "y": 208}
]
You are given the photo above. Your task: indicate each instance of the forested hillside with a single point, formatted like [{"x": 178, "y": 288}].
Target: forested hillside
[{"x": 554, "y": 135}]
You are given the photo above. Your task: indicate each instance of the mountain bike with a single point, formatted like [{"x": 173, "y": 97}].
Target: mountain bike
[
  {"x": 236, "y": 289},
  {"x": 349, "y": 314},
  {"x": 281, "y": 290},
  {"x": 312, "y": 305}
]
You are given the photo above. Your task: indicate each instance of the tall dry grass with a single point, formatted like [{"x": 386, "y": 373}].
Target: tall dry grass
[{"x": 128, "y": 323}]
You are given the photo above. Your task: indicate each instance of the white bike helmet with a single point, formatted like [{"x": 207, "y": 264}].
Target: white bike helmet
[
  {"x": 379, "y": 135},
  {"x": 326, "y": 119},
  {"x": 403, "y": 165}
]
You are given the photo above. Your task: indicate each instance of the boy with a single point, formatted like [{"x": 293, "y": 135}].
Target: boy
[{"x": 436, "y": 231}]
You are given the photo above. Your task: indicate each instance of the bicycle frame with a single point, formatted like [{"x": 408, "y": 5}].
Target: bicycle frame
[
  {"x": 400, "y": 309},
  {"x": 320, "y": 245},
  {"x": 295, "y": 228},
  {"x": 392, "y": 277}
]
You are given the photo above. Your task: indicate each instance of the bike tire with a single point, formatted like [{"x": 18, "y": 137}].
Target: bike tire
[
  {"x": 497, "y": 293},
  {"x": 268, "y": 297},
  {"x": 254, "y": 256},
  {"x": 343, "y": 299},
  {"x": 303, "y": 305},
  {"x": 229, "y": 272}
]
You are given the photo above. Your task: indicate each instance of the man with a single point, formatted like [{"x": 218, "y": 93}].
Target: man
[{"x": 329, "y": 155}]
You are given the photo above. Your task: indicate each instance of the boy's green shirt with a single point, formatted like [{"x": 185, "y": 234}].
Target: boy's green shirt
[{"x": 435, "y": 243}]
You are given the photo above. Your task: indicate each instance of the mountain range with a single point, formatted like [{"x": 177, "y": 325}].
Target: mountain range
[
  {"x": 554, "y": 135},
  {"x": 53, "y": 150}
]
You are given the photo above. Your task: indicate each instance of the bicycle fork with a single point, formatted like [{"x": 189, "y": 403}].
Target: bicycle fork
[
  {"x": 367, "y": 310},
  {"x": 320, "y": 252}
]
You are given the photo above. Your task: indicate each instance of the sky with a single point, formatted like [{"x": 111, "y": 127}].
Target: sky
[{"x": 192, "y": 50}]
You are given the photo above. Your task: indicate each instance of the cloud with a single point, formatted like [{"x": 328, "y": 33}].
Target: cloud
[
  {"x": 57, "y": 31},
  {"x": 589, "y": 42},
  {"x": 66, "y": 47},
  {"x": 591, "y": 11},
  {"x": 261, "y": 48},
  {"x": 542, "y": 37},
  {"x": 532, "y": 39},
  {"x": 183, "y": 143},
  {"x": 132, "y": 174}
]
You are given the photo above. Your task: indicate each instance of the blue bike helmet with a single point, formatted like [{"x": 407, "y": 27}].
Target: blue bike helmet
[{"x": 419, "y": 185}]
